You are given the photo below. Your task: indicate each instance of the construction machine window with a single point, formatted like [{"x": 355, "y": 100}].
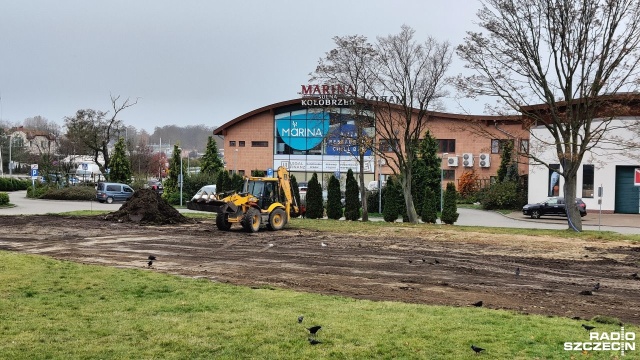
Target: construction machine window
[{"x": 255, "y": 188}]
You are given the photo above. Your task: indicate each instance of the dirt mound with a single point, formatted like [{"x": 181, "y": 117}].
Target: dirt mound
[{"x": 147, "y": 207}]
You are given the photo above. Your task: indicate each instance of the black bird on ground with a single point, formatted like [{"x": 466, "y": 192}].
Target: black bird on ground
[
  {"x": 410, "y": 261},
  {"x": 517, "y": 271},
  {"x": 436, "y": 261},
  {"x": 151, "y": 257},
  {"x": 477, "y": 304},
  {"x": 588, "y": 327},
  {"x": 150, "y": 263},
  {"x": 313, "y": 341},
  {"x": 635, "y": 276},
  {"x": 314, "y": 329},
  {"x": 596, "y": 287},
  {"x": 476, "y": 349},
  {"x": 300, "y": 318}
]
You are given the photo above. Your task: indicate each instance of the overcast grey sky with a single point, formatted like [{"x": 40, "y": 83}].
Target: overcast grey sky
[{"x": 191, "y": 62}]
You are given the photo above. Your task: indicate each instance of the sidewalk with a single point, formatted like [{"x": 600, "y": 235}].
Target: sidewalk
[{"x": 592, "y": 218}]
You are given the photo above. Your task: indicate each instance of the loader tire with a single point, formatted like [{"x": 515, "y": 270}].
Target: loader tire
[
  {"x": 222, "y": 223},
  {"x": 277, "y": 219},
  {"x": 251, "y": 220}
]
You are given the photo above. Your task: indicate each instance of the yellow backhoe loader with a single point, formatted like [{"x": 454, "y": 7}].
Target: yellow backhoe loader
[{"x": 264, "y": 201}]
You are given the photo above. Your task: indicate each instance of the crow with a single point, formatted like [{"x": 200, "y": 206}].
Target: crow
[
  {"x": 300, "y": 318},
  {"x": 151, "y": 257},
  {"x": 476, "y": 349},
  {"x": 477, "y": 304},
  {"x": 314, "y": 329},
  {"x": 436, "y": 261},
  {"x": 313, "y": 341},
  {"x": 423, "y": 260},
  {"x": 596, "y": 287},
  {"x": 410, "y": 261},
  {"x": 150, "y": 263},
  {"x": 588, "y": 327},
  {"x": 517, "y": 271}
]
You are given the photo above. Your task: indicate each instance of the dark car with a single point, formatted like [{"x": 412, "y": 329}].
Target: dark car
[
  {"x": 156, "y": 186},
  {"x": 552, "y": 206}
]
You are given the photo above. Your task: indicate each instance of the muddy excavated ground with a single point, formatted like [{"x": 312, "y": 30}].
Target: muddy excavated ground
[{"x": 444, "y": 267}]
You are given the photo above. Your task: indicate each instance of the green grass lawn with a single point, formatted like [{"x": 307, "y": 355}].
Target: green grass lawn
[{"x": 53, "y": 309}]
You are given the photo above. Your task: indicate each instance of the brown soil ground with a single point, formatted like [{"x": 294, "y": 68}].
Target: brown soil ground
[{"x": 439, "y": 267}]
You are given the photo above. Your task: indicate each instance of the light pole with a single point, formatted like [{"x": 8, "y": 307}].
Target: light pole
[
  {"x": 180, "y": 180},
  {"x": 10, "y": 170},
  {"x": 380, "y": 164},
  {"x": 441, "y": 180},
  {"x": 235, "y": 162}
]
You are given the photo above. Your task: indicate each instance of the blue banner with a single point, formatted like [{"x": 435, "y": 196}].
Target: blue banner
[{"x": 303, "y": 131}]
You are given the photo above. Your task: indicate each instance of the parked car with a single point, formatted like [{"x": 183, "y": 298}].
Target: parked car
[
  {"x": 110, "y": 192},
  {"x": 206, "y": 192},
  {"x": 552, "y": 206},
  {"x": 156, "y": 186}
]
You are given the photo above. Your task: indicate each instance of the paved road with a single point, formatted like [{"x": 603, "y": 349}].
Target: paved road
[{"x": 468, "y": 217}]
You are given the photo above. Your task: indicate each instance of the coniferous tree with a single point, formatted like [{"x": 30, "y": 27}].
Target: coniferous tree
[
  {"x": 295, "y": 192},
  {"x": 237, "y": 183},
  {"x": 430, "y": 206},
  {"x": 505, "y": 162},
  {"x": 351, "y": 198},
  {"x": 393, "y": 192},
  {"x": 315, "y": 209},
  {"x": 334, "y": 205},
  {"x": 171, "y": 186},
  {"x": 119, "y": 165},
  {"x": 223, "y": 181},
  {"x": 450, "y": 209},
  {"x": 211, "y": 162}
]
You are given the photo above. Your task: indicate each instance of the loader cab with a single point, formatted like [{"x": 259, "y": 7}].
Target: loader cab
[{"x": 264, "y": 190}]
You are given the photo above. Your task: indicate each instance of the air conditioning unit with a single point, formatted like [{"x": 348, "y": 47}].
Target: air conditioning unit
[
  {"x": 467, "y": 160},
  {"x": 452, "y": 161},
  {"x": 485, "y": 160}
]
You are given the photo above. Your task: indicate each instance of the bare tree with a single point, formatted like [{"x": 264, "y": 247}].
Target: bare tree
[
  {"x": 351, "y": 65},
  {"x": 42, "y": 124},
  {"x": 565, "y": 55},
  {"x": 412, "y": 75},
  {"x": 95, "y": 129}
]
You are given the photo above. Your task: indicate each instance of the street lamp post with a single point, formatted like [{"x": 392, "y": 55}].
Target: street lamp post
[
  {"x": 181, "y": 177},
  {"x": 235, "y": 162},
  {"x": 10, "y": 163},
  {"x": 441, "y": 180},
  {"x": 380, "y": 164}
]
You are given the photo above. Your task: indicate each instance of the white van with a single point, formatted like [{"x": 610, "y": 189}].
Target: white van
[{"x": 207, "y": 192}]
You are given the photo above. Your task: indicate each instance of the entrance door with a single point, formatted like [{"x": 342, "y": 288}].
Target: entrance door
[{"x": 627, "y": 195}]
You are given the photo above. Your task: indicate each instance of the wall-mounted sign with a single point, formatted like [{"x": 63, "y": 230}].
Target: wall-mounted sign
[
  {"x": 303, "y": 131},
  {"x": 343, "y": 140},
  {"x": 327, "y": 164}
]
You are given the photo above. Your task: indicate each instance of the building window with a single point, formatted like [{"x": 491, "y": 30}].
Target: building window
[
  {"x": 524, "y": 146},
  {"x": 447, "y": 146},
  {"x": 241, "y": 143},
  {"x": 498, "y": 144},
  {"x": 232, "y": 143},
  {"x": 387, "y": 146},
  {"x": 587, "y": 181},
  {"x": 448, "y": 175},
  {"x": 259, "y": 144}
]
